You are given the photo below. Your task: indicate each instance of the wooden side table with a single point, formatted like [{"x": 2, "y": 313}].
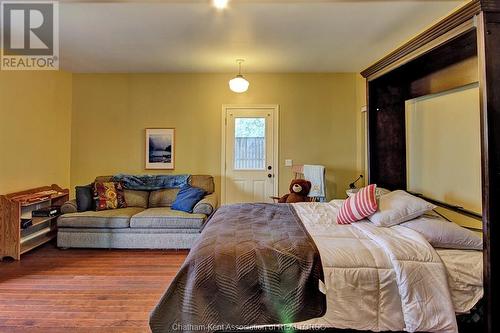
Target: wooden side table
[{"x": 16, "y": 207}]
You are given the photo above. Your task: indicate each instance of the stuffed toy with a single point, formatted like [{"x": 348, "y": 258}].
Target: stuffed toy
[{"x": 299, "y": 189}]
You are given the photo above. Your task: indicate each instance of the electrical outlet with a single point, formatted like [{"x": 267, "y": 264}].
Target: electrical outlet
[{"x": 288, "y": 163}]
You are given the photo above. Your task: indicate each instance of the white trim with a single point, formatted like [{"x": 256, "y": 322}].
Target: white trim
[
  {"x": 276, "y": 135},
  {"x": 223, "y": 155}
]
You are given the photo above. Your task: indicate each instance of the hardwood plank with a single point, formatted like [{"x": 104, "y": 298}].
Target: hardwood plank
[
  {"x": 70, "y": 309},
  {"x": 20, "y": 296},
  {"x": 73, "y": 302},
  {"x": 16, "y": 329},
  {"x": 70, "y": 323},
  {"x": 84, "y": 290},
  {"x": 26, "y": 315}
]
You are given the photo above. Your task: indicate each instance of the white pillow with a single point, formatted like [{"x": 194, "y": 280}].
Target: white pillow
[
  {"x": 397, "y": 207},
  {"x": 444, "y": 234},
  {"x": 381, "y": 191}
]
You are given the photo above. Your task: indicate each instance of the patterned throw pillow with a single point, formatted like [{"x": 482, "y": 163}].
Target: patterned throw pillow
[
  {"x": 109, "y": 195},
  {"x": 359, "y": 206}
]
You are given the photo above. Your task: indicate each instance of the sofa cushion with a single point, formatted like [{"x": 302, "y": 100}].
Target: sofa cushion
[
  {"x": 136, "y": 198},
  {"x": 113, "y": 218},
  {"x": 204, "y": 182},
  {"x": 165, "y": 217},
  {"x": 162, "y": 198}
]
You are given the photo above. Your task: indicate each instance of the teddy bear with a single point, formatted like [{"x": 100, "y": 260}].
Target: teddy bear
[{"x": 299, "y": 189}]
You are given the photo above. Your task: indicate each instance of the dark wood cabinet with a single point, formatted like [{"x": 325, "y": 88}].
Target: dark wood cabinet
[{"x": 461, "y": 49}]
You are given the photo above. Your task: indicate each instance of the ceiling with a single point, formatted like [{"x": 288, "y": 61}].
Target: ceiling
[{"x": 273, "y": 36}]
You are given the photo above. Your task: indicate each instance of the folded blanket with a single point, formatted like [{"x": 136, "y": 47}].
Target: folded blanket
[
  {"x": 254, "y": 264},
  {"x": 316, "y": 175},
  {"x": 151, "y": 182}
]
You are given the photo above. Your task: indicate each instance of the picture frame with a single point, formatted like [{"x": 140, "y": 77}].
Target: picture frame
[{"x": 160, "y": 149}]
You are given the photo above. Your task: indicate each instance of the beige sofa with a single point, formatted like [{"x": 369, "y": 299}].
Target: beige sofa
[{"x": 147, "y": 223}]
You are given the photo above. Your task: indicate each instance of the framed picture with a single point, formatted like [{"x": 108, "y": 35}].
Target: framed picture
[{"x": 160, "y": 148}]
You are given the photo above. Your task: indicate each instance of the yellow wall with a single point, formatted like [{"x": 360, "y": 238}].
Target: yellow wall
[
  {"x": 35, "y": 127},
  {"x": 110, "y": 112}
]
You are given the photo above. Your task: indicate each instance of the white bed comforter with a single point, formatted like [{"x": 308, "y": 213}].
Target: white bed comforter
[{"x": 379, "y": 279}]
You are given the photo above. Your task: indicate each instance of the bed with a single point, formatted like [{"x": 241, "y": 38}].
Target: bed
[
  {"x": 352, "y": 259},
  {"x": 372, "y": 278}
]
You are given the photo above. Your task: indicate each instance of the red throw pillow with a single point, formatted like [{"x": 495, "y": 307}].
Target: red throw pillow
[
  {"x": 109, "y": 195},
  {"x": 359, "y": 206}
]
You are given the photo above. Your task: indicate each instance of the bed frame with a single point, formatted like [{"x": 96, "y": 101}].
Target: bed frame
[{"x": 461, "y": 49}]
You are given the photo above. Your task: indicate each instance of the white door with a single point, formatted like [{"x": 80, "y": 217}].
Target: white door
[{"x": 250, "y": 151}]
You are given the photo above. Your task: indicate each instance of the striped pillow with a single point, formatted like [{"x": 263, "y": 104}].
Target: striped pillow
[{"x": 359, "y": 206}]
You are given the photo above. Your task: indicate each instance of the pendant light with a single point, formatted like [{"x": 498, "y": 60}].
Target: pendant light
[
  {"x": 220, "y": 4},
  {"x": 239, "y": 84}
]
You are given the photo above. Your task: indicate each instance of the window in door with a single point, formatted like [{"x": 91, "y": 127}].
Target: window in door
[{"x": 250, "y": 144}]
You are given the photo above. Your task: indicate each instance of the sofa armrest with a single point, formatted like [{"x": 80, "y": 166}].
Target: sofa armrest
[
  {"x": 206, "y": 205},
  {"x": 69, "y": 207}
]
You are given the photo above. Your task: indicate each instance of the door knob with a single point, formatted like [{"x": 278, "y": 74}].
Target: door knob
[
  {"x": 269, "y": 167},
  {"x": 269, "y": 175}
]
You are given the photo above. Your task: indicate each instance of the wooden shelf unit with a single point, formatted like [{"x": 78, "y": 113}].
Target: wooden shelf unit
[{"x": 15, "y": 241}]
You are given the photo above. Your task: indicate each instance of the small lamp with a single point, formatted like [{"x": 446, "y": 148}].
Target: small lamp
[{"x": 353, "y": 184}]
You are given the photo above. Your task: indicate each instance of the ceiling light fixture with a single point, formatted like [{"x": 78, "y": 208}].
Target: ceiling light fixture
[
  {"x": 239, "y": 84},
  {"x": 220, "y": 4}
]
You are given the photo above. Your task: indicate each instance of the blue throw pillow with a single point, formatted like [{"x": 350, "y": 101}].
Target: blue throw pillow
[{"x": 187, "y": 198}]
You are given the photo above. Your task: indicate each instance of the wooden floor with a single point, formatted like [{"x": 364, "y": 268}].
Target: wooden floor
[{"x": 52, "y": 290}]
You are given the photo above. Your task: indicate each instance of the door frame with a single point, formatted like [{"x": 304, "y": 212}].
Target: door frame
[{"x": 276, "y": 109}]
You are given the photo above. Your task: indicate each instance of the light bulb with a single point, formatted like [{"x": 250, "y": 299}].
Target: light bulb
[
  {"x": 239, "y": 84},
  {"x": 220, "y": 4}
]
